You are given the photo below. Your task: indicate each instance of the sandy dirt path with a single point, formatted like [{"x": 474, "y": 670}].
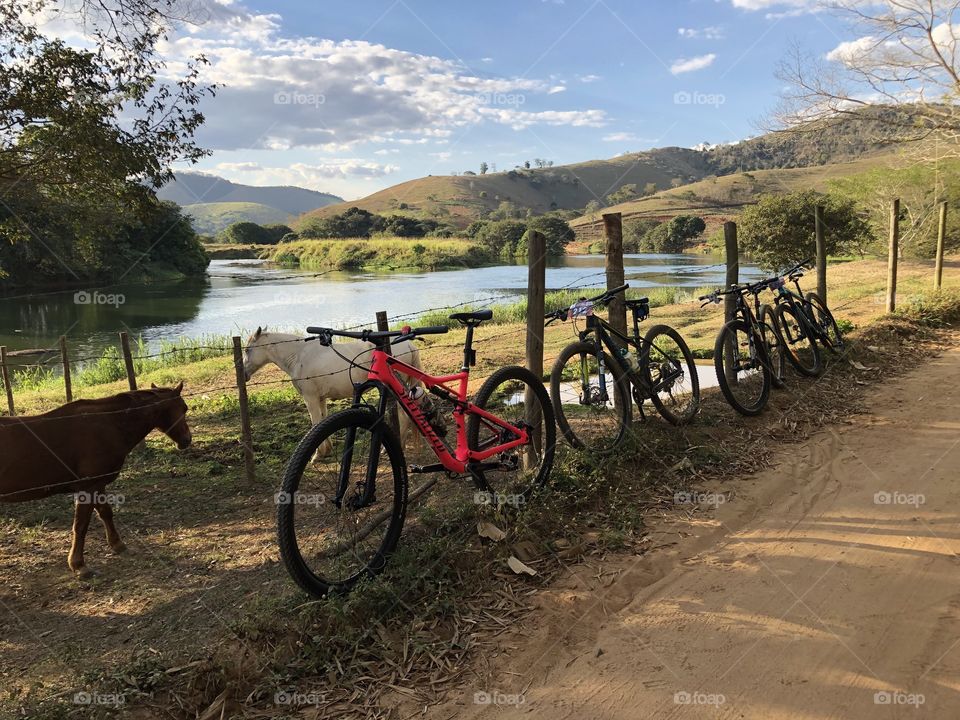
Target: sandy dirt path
[{"x": 828, "y": 587}]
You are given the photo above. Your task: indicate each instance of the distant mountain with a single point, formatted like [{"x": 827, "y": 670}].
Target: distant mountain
[
  {"x": 211, "y": 218},
  {"x": 460, "y": 199},
  {"x": 216, "y": 202}
]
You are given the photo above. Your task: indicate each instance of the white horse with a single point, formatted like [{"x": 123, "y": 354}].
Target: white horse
[{"x": 318, "y": 372}]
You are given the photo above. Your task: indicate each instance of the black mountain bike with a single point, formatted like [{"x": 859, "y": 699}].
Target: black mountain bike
[
  {"x": 803, "y": 322},
  {"x": 748, "y": 355},
  {"x": 590, "y": 387}
]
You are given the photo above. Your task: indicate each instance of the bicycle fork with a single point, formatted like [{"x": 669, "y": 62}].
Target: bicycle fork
[{"x": 366, "y": 490}]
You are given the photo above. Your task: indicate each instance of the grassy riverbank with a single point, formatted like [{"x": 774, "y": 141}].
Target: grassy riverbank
[{"x": 385, "y": 253}]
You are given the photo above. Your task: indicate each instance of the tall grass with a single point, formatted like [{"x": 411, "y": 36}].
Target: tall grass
[
  {"x": 109, "y": 366},
  {"x": 392, "y": 252}
]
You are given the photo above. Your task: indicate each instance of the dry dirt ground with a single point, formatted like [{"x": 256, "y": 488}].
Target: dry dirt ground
[{"x": 827, "y": 587}]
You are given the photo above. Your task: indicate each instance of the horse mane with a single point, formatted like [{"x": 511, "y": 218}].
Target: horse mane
[{"x": 112, "y": 403}]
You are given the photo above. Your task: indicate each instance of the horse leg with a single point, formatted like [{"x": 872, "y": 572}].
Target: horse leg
[
  {"x": 81, "y": 521},
  {"x": 105, "y": 511},
  {"x": 317, "y": 407}
]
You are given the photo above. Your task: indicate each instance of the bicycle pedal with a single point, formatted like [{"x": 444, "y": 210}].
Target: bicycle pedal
[{"x": 432, "y": 468}]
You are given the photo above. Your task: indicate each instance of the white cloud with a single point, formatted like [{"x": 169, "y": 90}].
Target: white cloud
[
  {"x": 852, "y": 50},
  {"x": 685, "y": 65},
  {"x": 589, "y": 78},
  {"x": 619, "y": 137},
  {"x": 556, "y": 89},
  {"x": 809, "y": 5},
  {"x": 712, "y": 32}
]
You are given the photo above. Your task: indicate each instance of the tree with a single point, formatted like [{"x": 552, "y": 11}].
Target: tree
[
  {"x": 483, "y": 168},
  {"x": 506, "y": 210},
  {"x": 502, "y": 237},
  {"x": 779, "y": 230},
  {"x": 650, "y": 188},
  {"x": 623, "y": 194},
  {"x": 634, "y": 231},
  {"x": 556, "y": 230},
  {"x": 906, "y": 56},
  {"x": 84, "y": 132},
  {"x": 250, "y": 233}
]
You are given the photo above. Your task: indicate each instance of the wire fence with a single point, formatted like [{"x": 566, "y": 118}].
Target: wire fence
[{"x": 531, "y": 335}]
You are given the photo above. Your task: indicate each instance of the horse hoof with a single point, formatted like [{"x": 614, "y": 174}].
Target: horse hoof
[
  {"x": 83, "y": 572},
  {"x": 119, "y": 548}
]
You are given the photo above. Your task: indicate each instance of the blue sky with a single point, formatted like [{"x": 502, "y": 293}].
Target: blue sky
[{"x": 351, "y": 97}]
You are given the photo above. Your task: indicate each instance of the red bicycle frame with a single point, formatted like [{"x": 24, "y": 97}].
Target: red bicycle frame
[{"x": 383, "y": 371}]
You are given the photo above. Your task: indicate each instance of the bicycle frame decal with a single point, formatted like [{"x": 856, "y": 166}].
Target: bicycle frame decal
[{"x": 384, "y": 369}]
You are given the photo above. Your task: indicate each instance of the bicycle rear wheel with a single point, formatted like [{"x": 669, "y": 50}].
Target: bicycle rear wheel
[
  {"x": 743, "y": 371},
  {"x": 774, "y": 347},
  {"x": 516, "y": 396},
  {"x": 797, "y": 338},
  {"x": 830, "y": 336},
  {"x": 590, "y": 417},
  {"x": 328, "y": 546},
  {"x": 671, "y": 374}
]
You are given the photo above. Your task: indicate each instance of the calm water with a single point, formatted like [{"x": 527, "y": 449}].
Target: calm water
[{"x": 238, "y": 295}]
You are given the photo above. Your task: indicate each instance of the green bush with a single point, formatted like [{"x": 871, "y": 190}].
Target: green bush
[{"x": 779, "y": 230}]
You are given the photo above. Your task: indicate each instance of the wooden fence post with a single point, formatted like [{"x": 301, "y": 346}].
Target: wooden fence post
[
  {"x": 393, "y": 419},
  {"x": 613, "y": 235},
  {"x": 246, "y": 437},
  {"x": 128, "y": 361},
  {"x": 5, "y": 373},
  {"x": 536, "y": 298},
  {"x": 892, "y": 257},
  {"x": 941, "y": 238},
  {"x": 66, "y": 368},
  {"x": 821, "y": 253}
]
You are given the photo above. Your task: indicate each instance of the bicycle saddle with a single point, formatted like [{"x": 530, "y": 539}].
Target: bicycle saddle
[
  {"x": 637, "y": 301},
  {"x": 472, "y": 318}
]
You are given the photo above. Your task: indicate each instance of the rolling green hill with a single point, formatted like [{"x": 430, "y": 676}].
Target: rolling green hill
[
  {"x": 460, "y": 199},
  {"x": 211, "y": 218}
]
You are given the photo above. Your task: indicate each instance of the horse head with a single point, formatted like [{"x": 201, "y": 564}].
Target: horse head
[
  {"x": 255, "y": 355},
  {"x": 171, "y": 417}
]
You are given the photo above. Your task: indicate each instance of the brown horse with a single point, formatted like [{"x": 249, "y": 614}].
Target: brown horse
[{"x": 80, "y": 448}]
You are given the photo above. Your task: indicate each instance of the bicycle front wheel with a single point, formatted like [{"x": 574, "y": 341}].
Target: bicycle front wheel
[
  {"x": 743, "y": 371},
  {"x": 774, "y": 347},
  {"x": 830, "y": 335},
  {"x": 342, "y": 503},
  {"x": 516, "y": 396},
  {"x": 797, "y": 339},
  {"x": 671, "y": 374},
  {"x": 592, "y": 415}
]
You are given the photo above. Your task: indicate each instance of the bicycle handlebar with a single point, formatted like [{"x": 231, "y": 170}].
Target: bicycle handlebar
[
  {"x": 325, "y": 334},
  {"x": 604, "y": 298}
]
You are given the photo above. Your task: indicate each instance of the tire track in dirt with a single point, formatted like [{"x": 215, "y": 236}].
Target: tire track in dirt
[{"x": 827, "y": 589}]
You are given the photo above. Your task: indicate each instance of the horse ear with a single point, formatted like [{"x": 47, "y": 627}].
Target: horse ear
[
  {"x": 264, "y": 328},
  {"x": 153, "y": 387},
  {"x": 179, "y": 388},
  {"x": 256, "y": 335}
]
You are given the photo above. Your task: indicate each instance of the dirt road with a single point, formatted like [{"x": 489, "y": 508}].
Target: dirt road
[{"x": 828, "y": 587}]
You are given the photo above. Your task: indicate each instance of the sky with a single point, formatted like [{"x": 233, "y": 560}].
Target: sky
[{"x": 352, "y": 97}]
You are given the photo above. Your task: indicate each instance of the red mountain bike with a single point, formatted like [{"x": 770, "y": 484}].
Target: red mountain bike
[{"x": 337, "y": 523}]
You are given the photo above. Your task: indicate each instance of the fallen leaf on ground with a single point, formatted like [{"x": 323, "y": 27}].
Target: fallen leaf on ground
[
  {"x": 519, "y": 568},
  {"x": 490, "y": 531}
]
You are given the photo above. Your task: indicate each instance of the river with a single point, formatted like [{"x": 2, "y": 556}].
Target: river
[{"x": 238, "y": 295}]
